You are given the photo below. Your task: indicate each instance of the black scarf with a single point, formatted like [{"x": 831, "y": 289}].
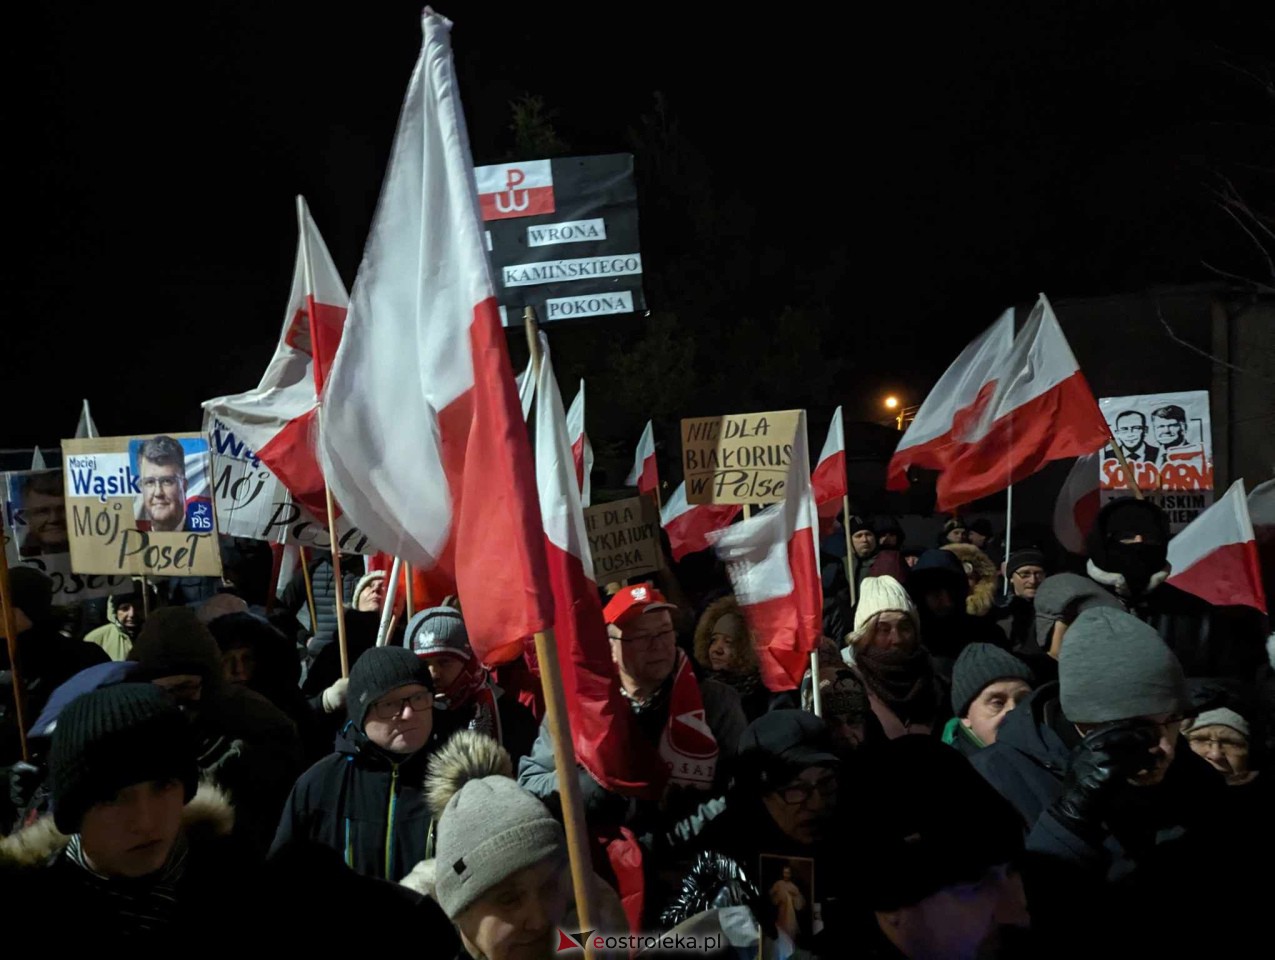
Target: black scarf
[{"x": 903, "y": 680}]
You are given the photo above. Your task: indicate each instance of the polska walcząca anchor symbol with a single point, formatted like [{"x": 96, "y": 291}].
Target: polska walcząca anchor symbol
[{"x": 512, "y": 178}]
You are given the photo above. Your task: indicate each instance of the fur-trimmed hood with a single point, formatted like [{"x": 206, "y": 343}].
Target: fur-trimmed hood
[
  {"x": 745, "y": 654},
  {"x": 209, "y": 814},
  {"x": 979, "y": 567}
]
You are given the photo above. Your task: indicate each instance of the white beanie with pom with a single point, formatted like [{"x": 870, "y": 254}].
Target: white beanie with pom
[{"x": 881, "y": 595}]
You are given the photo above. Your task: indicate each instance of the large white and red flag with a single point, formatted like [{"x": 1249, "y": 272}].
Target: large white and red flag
[
  {"x": 607, "y": 744},
  {"x": 773, "y": 562},
  {"x": 581, "y": 449},
  {"x": 422, "y": 440},
  {"x": 689, "y": 524},
  {"x": 1040, "y": 409},
  {"x": 965, "y": 387},
  {"x": 644, "y": 475},
  {"x": 1077, "y": 505},
  {"x": 828, "y": 479},
  {"x": 1215, "y": 557},
  {"x": 277, "y": 419}
]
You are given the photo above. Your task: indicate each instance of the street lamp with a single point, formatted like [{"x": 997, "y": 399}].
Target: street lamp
[{"x": 891, "y": 402}]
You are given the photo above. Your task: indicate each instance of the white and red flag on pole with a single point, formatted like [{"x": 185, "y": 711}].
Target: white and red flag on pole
[
  {"x": 1215, "y": 557},
  {"x": 689, "y": 524},
  {"x": 1040, "y": 409},
  {"x": 1078, "y": 503},
  {"x": 526, "y": 382},
  {"x": 423, "y": 441},
  {"x": 965, "y": 387},
  {"x": 607, "y": 744},
  {"x": 828, "y": 479},
  {"x": 581, "y": 449},
  {"x": 277, "y": 419},
  {"x": 644, "y": 475},
  {"x": 773, "y": 562}
]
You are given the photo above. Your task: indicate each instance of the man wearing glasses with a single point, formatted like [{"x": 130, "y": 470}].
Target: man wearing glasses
[
  {"x": 1016, "y": 613},
  {"x": 367, "y": 801},
  {"x": 161, "y": 466},
  {"x": 1131, "y": 434}
]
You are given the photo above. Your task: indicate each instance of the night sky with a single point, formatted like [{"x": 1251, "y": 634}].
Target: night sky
[{"x": 944, "y": 163}]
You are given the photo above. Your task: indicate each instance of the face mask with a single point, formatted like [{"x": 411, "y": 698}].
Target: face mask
[{"x": 1137, "y": 563}]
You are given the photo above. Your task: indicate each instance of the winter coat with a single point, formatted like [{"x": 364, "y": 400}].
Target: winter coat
[
  {"x": 961, "y": 738},
  {"x": 111, "y": 637},
  {"x": 323, "y": 583},
  {"x": 981, "y": 599},
  {"x": 518, "y": 728},
  {"x": 40, "y": 879},
  {"x": 365, "y": 803},
  {"x": 1016, "y": 617}
]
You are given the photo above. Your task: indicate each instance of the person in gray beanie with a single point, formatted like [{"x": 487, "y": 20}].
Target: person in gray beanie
[
  {"x": 500, "y": 869},
  {"x": 366, "y": 799},
  {"x": 1114, "y": 805},
  {"x": 987, "y": 683}
]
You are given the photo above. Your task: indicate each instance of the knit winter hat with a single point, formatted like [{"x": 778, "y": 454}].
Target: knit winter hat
[
  {"x": 489, "y": 828},
  {"x": 377, "y": 672},
  {"x": 32, "y": 593},
  {"x": 1064, "y": 596},
  {"x": 438, "y": 631},
  {"x": 1026, "y": 557},
  {"x": 1221, "y": 717},
  {"x": 113, "y": 738},
  {"x": 367, "y": 580},
  {"x": 979, "y": 665},
  {"x": 879, "y": 595},
  {"x": 174, "y": 642},
  {"x": 1115, "y": 667}
]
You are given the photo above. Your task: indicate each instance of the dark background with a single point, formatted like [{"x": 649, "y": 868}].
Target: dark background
[{"x": 833, "y": 201}]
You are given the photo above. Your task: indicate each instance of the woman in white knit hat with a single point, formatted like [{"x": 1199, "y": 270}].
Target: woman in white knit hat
[{"x": 885, "y": 650}]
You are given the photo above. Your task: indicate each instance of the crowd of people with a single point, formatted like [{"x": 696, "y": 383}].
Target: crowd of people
[{"x": 1016, "y": 756}]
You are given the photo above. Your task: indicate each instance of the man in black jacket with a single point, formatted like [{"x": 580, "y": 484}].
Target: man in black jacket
[{"x": 367, "y": 800}]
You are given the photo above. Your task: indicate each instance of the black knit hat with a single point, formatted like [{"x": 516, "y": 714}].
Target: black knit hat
[
  {"x": 113, "y": 738},
  {"x": 32, "y": 593},
  {"x": 377, "y": 672},
  {"x": 1026, "y": 557},
  {"x": 980, "y": 664},
  {"x": 174, "y": 642}
]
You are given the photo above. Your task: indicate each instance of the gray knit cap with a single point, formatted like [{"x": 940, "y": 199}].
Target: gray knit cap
[
  {"x": 1115, "y": 667},
  {"x": 438, "y": 630},
  {"x": 490, "y": 829},
  {"x": 979, "y": 665},
  {"x": 1063, "y": 597}
]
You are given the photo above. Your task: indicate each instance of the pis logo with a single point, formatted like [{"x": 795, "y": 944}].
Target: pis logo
[{"x": 572, "y": 941}]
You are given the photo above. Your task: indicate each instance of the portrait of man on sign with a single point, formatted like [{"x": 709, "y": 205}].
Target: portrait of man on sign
[
  {"x": 161, "y": 475},
  {"x": 1168, "y": 425},
  {"x": 44, "y": 509},
  {"x": 1131, "y": 434}
]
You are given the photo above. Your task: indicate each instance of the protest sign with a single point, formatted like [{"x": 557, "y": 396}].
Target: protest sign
[
  {"x": 252, "y": 502},
  {"x": 1167, "y": 440},
  {"x": 141, "y": 505},
  {"x": 624, "y": 538},
  {"x": 740, "y": 458},
  {"x": 36, "y": 526},
  {"x": 562, "y": 236}
]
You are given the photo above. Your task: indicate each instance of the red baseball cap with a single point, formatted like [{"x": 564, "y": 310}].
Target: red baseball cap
[{"x": 634, "y": 601}]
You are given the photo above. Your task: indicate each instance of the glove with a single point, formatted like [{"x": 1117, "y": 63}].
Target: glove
[
  {"x": 1100, "y": 765},
  {"x": 334, "y": 696}
]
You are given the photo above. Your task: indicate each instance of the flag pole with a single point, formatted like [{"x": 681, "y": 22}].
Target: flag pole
[
  {"x": 1009, "y": 514},
  {"x": 409, "y": 591},
  {"x": 845, "y": 505},
  {"x": 387, "y": 605},
  {"x": 564, "y": 756},
  {"x": 11, "y": 639},
  {"x": 816, "y": 695},
  {"x": 1129, "y": 480},
  {"x": 146, "y": 599},
  {"x": 309, "y": 590},
  {"x": 339, "y": 592},
  {"x": 533, "y": 341}
]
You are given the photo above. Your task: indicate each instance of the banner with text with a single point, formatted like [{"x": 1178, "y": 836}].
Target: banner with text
[
  {"x": 1167, "y": 440},
  {"x": 35, "y": 524},
  {"x": 562, "y": 236},
  {"x": 740, "y": 458},
  {"x": 252, "y": 502},
  {"x": 141, "y": 505},
  {"x": 624, "y": 538}
]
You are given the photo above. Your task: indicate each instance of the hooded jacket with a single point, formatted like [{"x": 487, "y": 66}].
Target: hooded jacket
[
  {"x": 111, "y": 636},
  {"x": 945, "y": 637},
  {"x": 981, "y": 600},
  {"x": 367, "y": 804},
  {"x": 744, "y": 677}
]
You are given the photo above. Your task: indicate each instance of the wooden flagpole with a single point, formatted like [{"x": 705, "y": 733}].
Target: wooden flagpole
[
  {"x": 334, "y": 540},
  {"x": 304, "y": 556},
  {"x": 409, "y": 591},
  {"x": 1009, "y": 519},
  {"x": 845, "y": 505},
  {"x": 11, "y": 639}
]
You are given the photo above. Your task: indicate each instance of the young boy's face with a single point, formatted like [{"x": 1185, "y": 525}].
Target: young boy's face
[{"x": 133, "y": 834}]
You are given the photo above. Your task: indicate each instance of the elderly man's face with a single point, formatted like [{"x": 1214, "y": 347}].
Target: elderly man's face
[
  {"x": 1168, "y": 432},
  {"x": 164, "y": 494},
  {"x": 645, "y": 649},
  {"x": 46, "y": 521},
  {"x": 802, "y": 807}
]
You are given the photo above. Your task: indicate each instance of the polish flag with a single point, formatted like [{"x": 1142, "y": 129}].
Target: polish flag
[
  {"x": 422, "y": 437},
  {"x": 277, "y": 419},
  {"x": 581, "y": 448},
  {"x": 1077, "y": 505},
  {"x": 603, "y": 731},
  {"x": 961, "y": 392},
  {"x": 1040, "y": 409},
  {"x": 644, "y": 474},
  {"x": 773, "y": 562},
  {"x": 86, "y": 427},
  {"x": 829, "y": 476},
  {"x": 526, "y": 382},
  {"x": 689, "y": 524},
  {"x": 1215, "y": 557}
]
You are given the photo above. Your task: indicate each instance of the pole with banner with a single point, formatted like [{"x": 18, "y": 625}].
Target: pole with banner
[
  {"x": 339, "y": 591},
  {"x": 387, "y": 604},
  {"x": 11, "y": 639}
]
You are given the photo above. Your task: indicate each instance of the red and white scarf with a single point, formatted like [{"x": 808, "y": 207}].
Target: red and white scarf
[{"x": 687, "y": 744}]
